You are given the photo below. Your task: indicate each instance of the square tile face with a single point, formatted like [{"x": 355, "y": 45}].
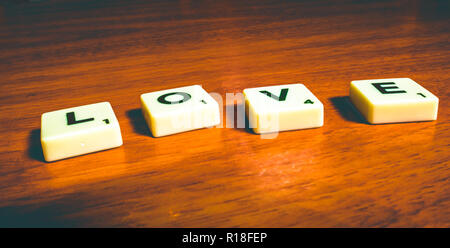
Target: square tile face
[
  {"x": 393, "y": 100},
  {"x": 79, "y": 130},
  {"x": 179, "y": 110},
  {"x": 282, "y": 108}
]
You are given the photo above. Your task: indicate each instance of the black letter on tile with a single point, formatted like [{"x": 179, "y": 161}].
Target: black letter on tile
[
  {"x": 383, "y": 89},
  {"x": 308, "y": 102},
  {"x": 282, "y": 96},
  {"x": 71, "y": 119},
  {"x": 420, "y": 94},
  {"x": 162, "y": 99}
]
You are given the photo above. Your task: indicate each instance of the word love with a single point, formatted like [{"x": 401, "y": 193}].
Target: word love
[{"x": 90, "y": 128}]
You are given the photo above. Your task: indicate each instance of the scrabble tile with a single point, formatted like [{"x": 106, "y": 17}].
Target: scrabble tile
[
  {"x": 178, "y": 110},
  {"x": 79, "y": 130},
  {"x": 282, "y": 107},
  {"x": 393, "y": 100}
]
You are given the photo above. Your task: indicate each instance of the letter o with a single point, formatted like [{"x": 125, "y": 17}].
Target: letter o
[{"x": 162, "y": 98}]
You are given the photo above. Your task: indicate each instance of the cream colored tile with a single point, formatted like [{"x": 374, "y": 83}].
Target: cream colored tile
[
  {"x": 393, "y": 100},
  {"x": 178, "y": 110},
  {"x": 79, "y": 130},
  {"x": 282, "y": 108}
]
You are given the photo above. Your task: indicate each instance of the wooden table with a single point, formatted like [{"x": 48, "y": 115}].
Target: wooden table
[{"x": 57, "y": 54}]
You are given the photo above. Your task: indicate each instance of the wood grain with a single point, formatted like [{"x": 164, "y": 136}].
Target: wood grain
[{"x": 56, "y": 54}]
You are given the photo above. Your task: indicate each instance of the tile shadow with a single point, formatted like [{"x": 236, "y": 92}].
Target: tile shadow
[
  {"x": 34, "y": 145},
  {"x": 347, "y": 110},
  {"x": 138, "y": 122},
  {"x": 237, "y": 118}
]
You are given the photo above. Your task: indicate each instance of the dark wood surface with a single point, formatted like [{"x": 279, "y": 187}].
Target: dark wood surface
[{"x": 64, "y": 53}]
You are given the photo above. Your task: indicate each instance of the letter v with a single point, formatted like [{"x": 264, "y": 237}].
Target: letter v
[{"x": 282, "y": 96}]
